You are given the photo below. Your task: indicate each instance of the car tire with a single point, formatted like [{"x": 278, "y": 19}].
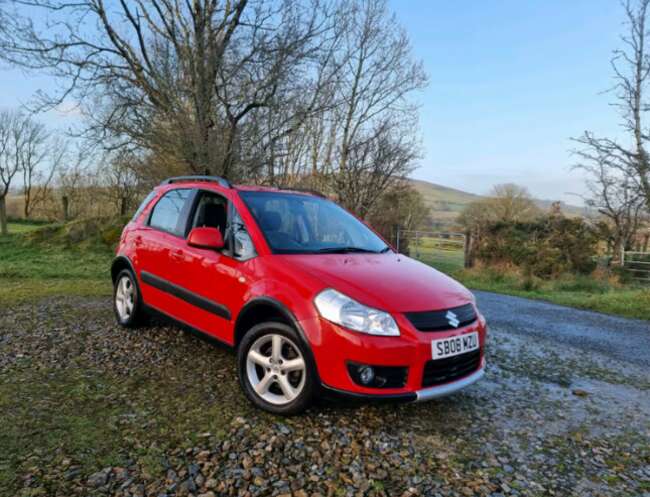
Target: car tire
[
  {"x": 281, "y": 383},
  {"x": 127, "y": 302}
]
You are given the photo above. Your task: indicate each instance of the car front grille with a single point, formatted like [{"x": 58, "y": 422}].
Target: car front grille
[
  {"x": 440, "y": 371},
  {"x": 440, "y": 320}
]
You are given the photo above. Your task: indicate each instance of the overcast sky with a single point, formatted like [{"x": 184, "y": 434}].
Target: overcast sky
[{"x": 511, "y": 81}]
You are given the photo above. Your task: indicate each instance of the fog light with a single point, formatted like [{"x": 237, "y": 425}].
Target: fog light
[{"x": 366, "y": 374}]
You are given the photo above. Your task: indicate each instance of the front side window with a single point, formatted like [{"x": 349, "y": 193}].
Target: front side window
[
  {"x": 211, "y": 212},
  {"x": 294, "y": 223},
  {"x": 170, "y": 213}
]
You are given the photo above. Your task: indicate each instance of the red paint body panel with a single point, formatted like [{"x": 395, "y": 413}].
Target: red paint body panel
[{"x": 391, "y": 282}]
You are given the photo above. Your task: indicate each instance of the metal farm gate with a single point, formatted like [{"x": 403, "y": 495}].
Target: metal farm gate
[
  {"x": 443, "y": 250},
  {"x": 637, "y": 264}
]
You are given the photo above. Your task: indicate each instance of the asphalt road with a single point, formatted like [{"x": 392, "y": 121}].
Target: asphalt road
[{"x": 624, "y": 339}]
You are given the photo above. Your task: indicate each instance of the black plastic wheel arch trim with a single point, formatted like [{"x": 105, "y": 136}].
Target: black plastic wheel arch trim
[
  {"x": 182, "y": 293},
  {"x": 119, "y": 260},
  {"x": 270, "y": 301}
]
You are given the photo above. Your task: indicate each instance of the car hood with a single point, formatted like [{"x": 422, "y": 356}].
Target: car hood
[{"x": 392, "y": 282}]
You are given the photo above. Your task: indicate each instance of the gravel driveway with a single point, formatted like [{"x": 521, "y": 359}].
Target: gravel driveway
[
  {"x": 91, "y": 409},
  {"x": 622, "y": 339}
]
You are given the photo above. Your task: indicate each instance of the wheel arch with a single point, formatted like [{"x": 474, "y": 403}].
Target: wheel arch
[
  {"x": 264, "y": 309},
  {"x": 120, "y": 263}
]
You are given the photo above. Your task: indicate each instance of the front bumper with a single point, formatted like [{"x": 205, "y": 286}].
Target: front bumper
[
  {"x": 417, "y": 396},
  {"x": 334, "y": 347}
]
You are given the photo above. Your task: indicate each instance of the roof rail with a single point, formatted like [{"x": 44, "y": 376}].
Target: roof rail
[
  {"x": 212, "y": 179},
  {"x": 303, "y": 190}
]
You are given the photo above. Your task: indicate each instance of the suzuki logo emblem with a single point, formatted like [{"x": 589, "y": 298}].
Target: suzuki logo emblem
[{"x": 452, "y": 319}]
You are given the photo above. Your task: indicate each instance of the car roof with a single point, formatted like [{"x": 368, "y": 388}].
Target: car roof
[{"x": 220, "y": 183}]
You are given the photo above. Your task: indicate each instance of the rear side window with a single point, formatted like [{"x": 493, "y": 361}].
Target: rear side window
[
  {"x": 143, "y": 205},
  {"x": 170, "y": 213}
]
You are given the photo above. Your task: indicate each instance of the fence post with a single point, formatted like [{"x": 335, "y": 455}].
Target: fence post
[
  {"x": 622, "y": 255},
  {"x": 468, "y": 255},
  {"x": 417, "y": 244}
]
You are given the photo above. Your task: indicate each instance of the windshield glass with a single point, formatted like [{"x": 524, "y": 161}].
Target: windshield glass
[{"x": 299, "y": 224}]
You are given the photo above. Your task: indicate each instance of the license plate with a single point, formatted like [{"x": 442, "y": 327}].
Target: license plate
[{"x": 449, "y": 347}]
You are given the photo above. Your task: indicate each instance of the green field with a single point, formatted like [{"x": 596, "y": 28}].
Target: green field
[
  {"x": 40, "y": 261},
  {"x": 583, "y": 292}
]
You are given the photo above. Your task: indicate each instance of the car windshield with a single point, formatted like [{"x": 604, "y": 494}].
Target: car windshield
[{"x": 304, "y": 224}]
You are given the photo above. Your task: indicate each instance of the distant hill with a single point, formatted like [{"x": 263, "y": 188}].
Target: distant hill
[{"x": 446, "y": 203}]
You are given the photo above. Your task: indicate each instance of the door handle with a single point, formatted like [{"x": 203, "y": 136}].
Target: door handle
[{"x": 177, "y": 254}]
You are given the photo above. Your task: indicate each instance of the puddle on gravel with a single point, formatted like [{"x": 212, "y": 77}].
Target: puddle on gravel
[{"x": 557, "y": 392}]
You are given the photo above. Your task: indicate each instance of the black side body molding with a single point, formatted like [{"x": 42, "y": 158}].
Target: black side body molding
[
  {"x": 190, "y": 297},
  {"x": 197, "y": 332}
]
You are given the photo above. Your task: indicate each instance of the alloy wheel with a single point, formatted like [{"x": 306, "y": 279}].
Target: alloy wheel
[
  {"x": 276, "y": 369},
  {"x": 125, "y": 298}
]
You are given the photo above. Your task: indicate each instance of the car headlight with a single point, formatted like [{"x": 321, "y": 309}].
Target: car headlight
[{"x": 344, "y": 311}]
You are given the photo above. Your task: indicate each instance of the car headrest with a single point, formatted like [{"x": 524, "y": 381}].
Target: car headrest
[
  {"x": 270, "y": 221},
  {"x": 214, "y": 216}
]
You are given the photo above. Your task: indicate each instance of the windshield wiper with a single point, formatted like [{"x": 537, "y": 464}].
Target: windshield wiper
[
  {"x": 345, "y": 250},
  {"x": 385, "y": 249}
]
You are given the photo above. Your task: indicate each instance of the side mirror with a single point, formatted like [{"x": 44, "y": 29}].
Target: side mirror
[{"x": 207, "y": 238}]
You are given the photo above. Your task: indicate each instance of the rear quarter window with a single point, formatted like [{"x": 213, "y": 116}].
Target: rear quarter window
[
  {"x": 170, "y": 213},
  {"x": 143, "y": 205}
]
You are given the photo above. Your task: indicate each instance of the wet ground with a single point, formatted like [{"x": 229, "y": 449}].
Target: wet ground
[
  {"x": 91, "y": 409},
  {"x": 623, "y": 339}
]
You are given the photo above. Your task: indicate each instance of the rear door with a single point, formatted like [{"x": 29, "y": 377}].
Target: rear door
[{"x": 160, "y": 249}]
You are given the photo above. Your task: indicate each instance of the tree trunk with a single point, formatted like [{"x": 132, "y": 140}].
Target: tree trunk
[
  {"x": 66, "y": 214},
  {"x": 27, "y": 204},
  {"x": 3, "y": 216}
]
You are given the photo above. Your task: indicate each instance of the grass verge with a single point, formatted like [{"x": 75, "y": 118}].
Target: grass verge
[
  {"x": 41, "y": 261},
  {"x": 582, "y": 292}
]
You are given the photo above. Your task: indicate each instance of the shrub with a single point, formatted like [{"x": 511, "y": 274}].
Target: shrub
[{"x": 544, "y": 248}]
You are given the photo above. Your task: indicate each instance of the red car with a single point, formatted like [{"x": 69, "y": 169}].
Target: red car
[{"x": 310, "y": 297}]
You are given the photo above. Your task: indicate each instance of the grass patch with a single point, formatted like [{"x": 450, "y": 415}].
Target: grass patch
[
  {"x": 17, "y": 291},
  {"x": 580, "y": 291},
  {"x": 21, "y": 226},
  {"x": 40, "y": 261}
]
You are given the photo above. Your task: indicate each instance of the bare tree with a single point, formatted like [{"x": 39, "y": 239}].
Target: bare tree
[
  {"x": 10, "y": 143},
  {"x": 155, "y": 72},
  {"x": 631, "y": 66},
  {"x": 41, "y": 155},
  {"x": 509, "y": 203},
  {"x": 363, "y": 141},
  {"x": 616, "y": 198},
  {"x": 119, "y": 180},
  {"x": 23, "y": 149}
]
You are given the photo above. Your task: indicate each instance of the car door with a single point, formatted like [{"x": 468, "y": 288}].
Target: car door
[
  {"x": 217, "y": 280},
  {"x": 160, "y": 248}
]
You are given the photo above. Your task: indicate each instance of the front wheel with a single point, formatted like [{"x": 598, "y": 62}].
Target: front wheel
[
  {"x": 274, "y": 369},
  {"x": 126, "y": 300}
]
